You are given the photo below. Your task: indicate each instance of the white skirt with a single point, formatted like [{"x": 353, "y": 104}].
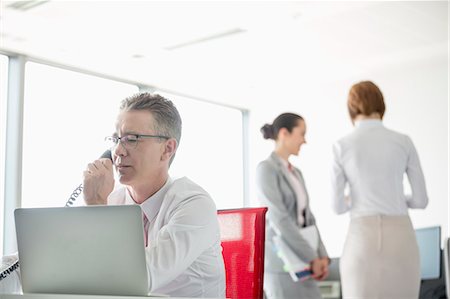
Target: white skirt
[{"x": 380, "y": 259}]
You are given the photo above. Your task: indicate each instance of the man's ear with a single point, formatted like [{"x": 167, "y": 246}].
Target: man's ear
[{"x": 170, "y": 148}]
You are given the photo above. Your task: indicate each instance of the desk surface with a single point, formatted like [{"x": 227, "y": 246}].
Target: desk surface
[{"x": 68, "y": 296}]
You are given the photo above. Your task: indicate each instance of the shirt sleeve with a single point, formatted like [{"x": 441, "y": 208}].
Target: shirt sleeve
[
  {"x": 270, "y": 195},
  {"x": 192, "y": 228},
  {"x": 338, "y": 182},
  {"x": 419, "y": 198}
]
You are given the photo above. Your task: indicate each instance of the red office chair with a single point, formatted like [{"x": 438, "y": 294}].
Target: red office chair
[{"x": 243, "y": 235}]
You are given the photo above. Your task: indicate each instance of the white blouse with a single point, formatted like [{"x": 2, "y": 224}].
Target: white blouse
[
  {"x": 299, "y": 189},
  {"x": 372, "y": 161}
]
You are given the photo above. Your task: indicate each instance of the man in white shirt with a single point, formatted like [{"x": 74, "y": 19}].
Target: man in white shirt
[{"x": 183, "y": 251}]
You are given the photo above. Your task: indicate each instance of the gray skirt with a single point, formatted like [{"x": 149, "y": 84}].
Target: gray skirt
[
  {"x": 380, "y": 259},
  {"x": 281, "y": 286}
]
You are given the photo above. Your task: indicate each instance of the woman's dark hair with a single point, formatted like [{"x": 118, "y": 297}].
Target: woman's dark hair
[{"x": 285, "y": 120}]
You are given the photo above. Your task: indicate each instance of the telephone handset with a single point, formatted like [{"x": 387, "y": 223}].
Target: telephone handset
[{"x": 79, "y": 189}]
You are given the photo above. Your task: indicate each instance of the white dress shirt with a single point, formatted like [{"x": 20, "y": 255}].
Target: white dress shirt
[
  {"x": 372, "y": 161},
  {"x": 184, "y": 253}
]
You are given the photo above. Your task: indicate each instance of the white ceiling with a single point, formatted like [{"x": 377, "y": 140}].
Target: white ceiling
[{"x": 231, "y": 52}]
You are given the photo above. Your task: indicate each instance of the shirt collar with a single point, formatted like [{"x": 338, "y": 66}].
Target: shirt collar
[
  {"x": 280, "y": 160},
  {"x": 368, "y": 123},
  {"x": 150, "y": 207},
  {"x": 285, "y": 163}
]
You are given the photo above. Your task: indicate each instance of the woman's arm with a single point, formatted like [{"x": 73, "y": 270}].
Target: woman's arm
[
  {"x": 419, "y": 198},
  {"x": 338, "y": 182},
  {"x": 270, "y": 195}
]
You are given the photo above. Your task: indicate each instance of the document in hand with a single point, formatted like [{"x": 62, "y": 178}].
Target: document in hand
[{"x": 297, "y": 268}]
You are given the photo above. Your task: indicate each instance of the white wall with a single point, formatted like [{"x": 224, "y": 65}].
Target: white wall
[
  {"x": 416, "y": 96},
  {"x": 302, "y": 59}
]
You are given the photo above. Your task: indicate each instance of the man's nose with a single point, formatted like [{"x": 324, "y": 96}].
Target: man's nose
[{"x": 119, "y": 149}]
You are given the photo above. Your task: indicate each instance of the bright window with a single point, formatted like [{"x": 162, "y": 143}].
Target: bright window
[
  {"x": 210, "y": 152},
  {"x": 66, "y": 117},
  {"x": 3, "y": 97}
]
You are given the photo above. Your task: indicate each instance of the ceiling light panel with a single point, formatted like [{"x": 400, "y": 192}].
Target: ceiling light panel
[{"x": 25, "y": 5}]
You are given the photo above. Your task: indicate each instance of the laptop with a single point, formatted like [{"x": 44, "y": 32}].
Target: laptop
[{"x": 94, "y": 250}]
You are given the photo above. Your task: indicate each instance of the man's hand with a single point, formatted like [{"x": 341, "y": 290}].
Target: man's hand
[{"x": 98, "y": 181}]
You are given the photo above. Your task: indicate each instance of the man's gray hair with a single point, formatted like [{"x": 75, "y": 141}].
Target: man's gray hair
[{"x": 167, "y": 119}]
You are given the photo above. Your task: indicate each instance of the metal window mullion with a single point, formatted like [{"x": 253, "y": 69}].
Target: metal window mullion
[
  {"x": 13, "y": 149},
  {"x": 246, "y": 156}
]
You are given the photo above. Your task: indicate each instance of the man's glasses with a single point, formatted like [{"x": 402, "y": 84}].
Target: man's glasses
[{"x": 129, "y": 141}]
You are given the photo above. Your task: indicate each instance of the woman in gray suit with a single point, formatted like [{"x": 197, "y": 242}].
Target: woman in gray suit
[{"x": 282, "y": 189}]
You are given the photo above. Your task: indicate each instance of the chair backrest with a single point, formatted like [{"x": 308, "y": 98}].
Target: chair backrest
[{"x": 243, "y": 237}]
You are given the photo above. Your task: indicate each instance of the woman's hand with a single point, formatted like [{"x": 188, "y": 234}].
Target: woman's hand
[
  {"x": 325, "y": 263},
  {"x": 319, "y": 267},
  {"x": 316, "y": 268}
]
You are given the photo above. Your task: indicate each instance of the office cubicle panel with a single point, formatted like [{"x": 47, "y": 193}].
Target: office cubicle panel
[{"x": 330, "y": 288}]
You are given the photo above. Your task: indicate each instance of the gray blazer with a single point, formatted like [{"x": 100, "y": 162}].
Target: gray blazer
[{"x": 275, "y": 191}]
